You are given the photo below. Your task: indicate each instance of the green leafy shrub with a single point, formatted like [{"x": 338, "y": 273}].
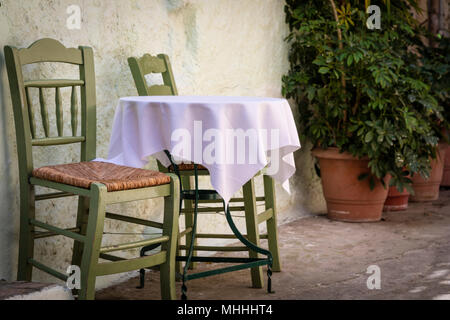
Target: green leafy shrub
[
  {"x": 435, "y": 66},
  {"x": 357, "y": 89}
]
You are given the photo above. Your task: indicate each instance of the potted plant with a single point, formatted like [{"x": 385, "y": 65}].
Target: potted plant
[
  {"x": 354, "y": 96},
  {"x": 397, "y": 200},
  {"x": 435, "y": 65}
]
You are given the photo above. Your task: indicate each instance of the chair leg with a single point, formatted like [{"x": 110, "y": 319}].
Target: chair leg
[
  {"x": 82, "y": 220},
  {"x": 170, "y": 228},
  {"x": 94, "y": 233},
  {"x": 26, "y": 240},
  {"x": 189, "y": 217},
  {"x": 272, "y": 231},
  {"x": 251, "y": 220}
]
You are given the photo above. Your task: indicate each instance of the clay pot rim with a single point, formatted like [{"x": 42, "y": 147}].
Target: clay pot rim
[
  {"x": 335, "y": 153},
  {"x": 397, "y": 193}
]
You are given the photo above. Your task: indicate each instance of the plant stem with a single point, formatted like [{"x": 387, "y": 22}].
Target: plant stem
[
  {"x": 339, "y": 32},
  {"x": 341, "y": 46}
]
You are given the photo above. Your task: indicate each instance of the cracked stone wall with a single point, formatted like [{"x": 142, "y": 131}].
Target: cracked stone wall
[{"x": 217, "y": 47}]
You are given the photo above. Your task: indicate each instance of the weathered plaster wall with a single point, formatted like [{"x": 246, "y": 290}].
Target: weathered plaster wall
[{"x": 217, "y": 47}]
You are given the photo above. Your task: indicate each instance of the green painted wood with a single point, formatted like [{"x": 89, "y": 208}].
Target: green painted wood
[
  {"x": 252, "y": 229},
  {"x": 57, "y": 230},
  {"x": 45, "y": 50},
  {"x": 120, "y": 266},
  {"x": 59, "y": 112},
  {"x": 151, "y": 64},
  {"x": 111, "y": 257},
  {"x": 23, "y": 137},
  {"x": 138, "y": 194},
  {"x": 138, "y": 76},
  {"x": 59, "y": 186},
  {"x": 139, "y": 71},
  {"x": 52, "y": 83},
  {"x": 265, "y": 215},
  {"x": 170, "y": 229},
  {"x": 48, "y": 270},
  {"x": 223, "y": 236},
  {"x": 53, "y": 195},
  {"x": 40, "y": 235},
  {"x": 272, "y": 232},
  {"x": 88, "y": 106},
  {"x": 159, "y": 90},
  {"x": 134, "y": 220},
  {"x": 216, "y": 248},
  {"x": 26, "y": 241},
  {"x": 94, "y": 234},
  {"x": 147, "y": 64},
  {"x": 81, "y": 223},
  {"x": 49, "y": 50},
  {"x": 184, "y": 232},
  {"x": 210, "y": 210},
  {"x": 92, "y": 202},
  {"x": 57, "y": 141},
  {"x": 132, "y": 245},
  {"x": 30, "y": 114},
  {"x": 220, "y": 201},
  {"x": 167, "y": 76},
  {"x": 74, "y": 111},
  {"x": 44, "y": 113}
]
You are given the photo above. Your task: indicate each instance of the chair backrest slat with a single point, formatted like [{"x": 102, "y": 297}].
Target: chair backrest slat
[
  {"x": 160, "y": 90},
  {"x": 30, "y": 114},
  {"x": 48, "y": 50},
  {"x": 148, "y": 64},
  {"x": 44, "y": 113},
  {"x": 74, "y": 111},
  {"x": 59, "y": 112},
  {"x": 57, "y": 85},
  {"x": 50, "y": 83}
]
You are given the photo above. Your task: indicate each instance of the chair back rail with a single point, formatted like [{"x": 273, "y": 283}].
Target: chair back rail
[
  {"x": 147, "y": 64},
  {"x": 58, "y": 110},
  {"x": 49, "y": 50}
]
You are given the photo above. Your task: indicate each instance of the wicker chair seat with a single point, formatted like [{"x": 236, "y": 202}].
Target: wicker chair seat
[{"x": 114, "y": 177}]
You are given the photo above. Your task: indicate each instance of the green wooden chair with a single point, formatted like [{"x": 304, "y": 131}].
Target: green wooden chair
[
  {"x": 95, "y": 183},
  {"x": 160, "y": 64}
]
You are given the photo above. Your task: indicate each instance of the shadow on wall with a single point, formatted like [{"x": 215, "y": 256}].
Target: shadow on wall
[{"x": 8, "y": 189}]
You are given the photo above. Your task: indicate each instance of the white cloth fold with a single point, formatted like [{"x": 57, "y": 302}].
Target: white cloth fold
[{"x": 233, "y": 137}]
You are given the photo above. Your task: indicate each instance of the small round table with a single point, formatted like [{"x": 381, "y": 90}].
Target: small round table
[{"x": 234, "y": 138}]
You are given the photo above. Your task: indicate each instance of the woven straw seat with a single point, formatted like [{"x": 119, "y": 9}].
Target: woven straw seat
[
  {"x": 186, "y": 167},
  {"x": 114, "y": 177}
]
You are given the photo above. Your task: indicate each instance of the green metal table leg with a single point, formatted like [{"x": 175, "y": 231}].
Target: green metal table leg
[
  {"x": 244, "y": 263},
  {"x": 252, "y": 246}
]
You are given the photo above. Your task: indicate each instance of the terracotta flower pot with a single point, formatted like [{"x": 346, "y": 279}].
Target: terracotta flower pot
[
  {"x": 446, "y": 178},
  {"x": 428, "y": 190},
  {"x": 396, "y": 200},
  {"x": 349, "y": 199}
]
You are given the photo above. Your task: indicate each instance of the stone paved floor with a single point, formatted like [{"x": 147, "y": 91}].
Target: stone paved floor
[{"x": 324, "y": 259}]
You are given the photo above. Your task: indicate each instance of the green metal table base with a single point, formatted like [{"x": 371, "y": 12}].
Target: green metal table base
[{"x": 241, "y": 263}]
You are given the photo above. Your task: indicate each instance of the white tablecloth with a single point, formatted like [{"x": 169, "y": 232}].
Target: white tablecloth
[{"x": 233, "y": 137}]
